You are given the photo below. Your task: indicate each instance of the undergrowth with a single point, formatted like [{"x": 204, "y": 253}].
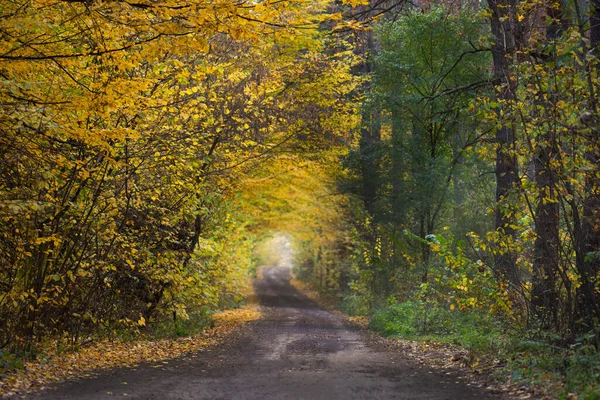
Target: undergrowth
[
  {"x": 414, "y": 320},
  {"x": 197, "y": 322},
  {"x": 573, "y": 369}
]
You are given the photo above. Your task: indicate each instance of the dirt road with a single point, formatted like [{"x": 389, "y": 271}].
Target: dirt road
[{"x": 297, "y": 351}]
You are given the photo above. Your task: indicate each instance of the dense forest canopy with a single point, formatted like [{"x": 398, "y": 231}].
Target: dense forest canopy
[{"x": 440, "y": 158}]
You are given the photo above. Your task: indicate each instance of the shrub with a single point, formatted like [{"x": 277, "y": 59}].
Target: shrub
[{"x": 419, "y": 319}]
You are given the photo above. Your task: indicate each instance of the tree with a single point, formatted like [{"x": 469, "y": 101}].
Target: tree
[
  {"x": 508, "y": 39},
  {"x": 425, "y": 75},
  {"x": 125, "y": 127}
]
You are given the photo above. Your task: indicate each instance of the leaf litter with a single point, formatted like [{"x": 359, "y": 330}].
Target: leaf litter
[{"x": 106, "y": 354}]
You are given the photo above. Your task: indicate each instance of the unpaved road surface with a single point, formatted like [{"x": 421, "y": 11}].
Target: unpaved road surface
[{"x": 297, "y": 351}]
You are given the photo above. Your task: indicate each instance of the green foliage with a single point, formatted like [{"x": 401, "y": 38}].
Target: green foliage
[
  {"x": 354, "y": 304},
  {"x": 427, "y": 71},
  {"x": 576, "y": 369},
  {"x": 197, "y": 322},
  {"x": 418, "y": 319},
  {"x": 525, "y": 360},
  {"x": 9, "y": 362},
  {"x": 397, "y": 320},
  {"x": 422, "y": 238},
  {"x": 428, "y": 174}
]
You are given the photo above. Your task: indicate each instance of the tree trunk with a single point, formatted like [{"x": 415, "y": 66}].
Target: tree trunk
[
  {"x": 588, "y": 242},
  {"x": 370, "y": 138},
  {"x": 399, "y": 204},
  {"x": 544, "y": 297},
  {"x": 507, "y": 36},
  {"x": 544, "y": 294},
  {"x": 370, "y": 131}
]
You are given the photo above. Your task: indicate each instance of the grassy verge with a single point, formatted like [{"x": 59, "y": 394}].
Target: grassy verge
[{"x": 481, "y": 344}]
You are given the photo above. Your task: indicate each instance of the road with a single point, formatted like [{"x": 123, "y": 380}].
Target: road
[{"x": 296, "y": 351}]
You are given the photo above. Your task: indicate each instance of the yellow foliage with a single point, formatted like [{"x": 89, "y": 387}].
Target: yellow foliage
[{"x": 126, "y": 131}]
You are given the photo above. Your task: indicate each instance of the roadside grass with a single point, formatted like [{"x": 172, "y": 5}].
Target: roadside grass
[
  {"x": 170, "y": 328},
  {"x": 416, "y": 320},
  {"x": 563, "y": 372}
]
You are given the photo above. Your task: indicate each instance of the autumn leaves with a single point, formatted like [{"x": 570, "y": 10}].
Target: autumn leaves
[{"x": 126, "y": 130}]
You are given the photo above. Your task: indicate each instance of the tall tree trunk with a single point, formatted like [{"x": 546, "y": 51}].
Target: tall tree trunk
[
  {"x": 399, "y": 205},
  {"x": 370, "y": 138},
  {"x": 588, "y": 294},
  {"x": 507, "y": 37},
  {"x": 370, "y": 131},
  {"x": 588, "y": 240},
  {"x": 544, "y": 295}
]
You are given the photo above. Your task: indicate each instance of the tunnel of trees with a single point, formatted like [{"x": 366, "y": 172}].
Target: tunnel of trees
[{"x": 434, "y": 159}]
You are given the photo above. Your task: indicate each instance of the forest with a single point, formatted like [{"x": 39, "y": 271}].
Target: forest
[{"x": 435, "y": 164}]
